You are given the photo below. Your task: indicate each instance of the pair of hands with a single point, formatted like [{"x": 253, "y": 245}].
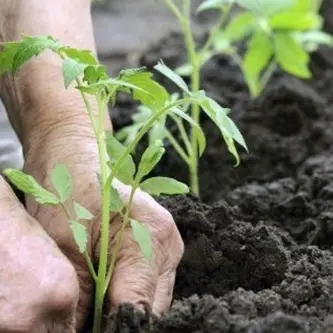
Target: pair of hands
[{"x": 45, "y": 280}]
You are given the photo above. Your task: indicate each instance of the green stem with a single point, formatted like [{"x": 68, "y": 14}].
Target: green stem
[
  {"x": 103, "y": 256},
  {"x": 195, "y": 86},
  {"x": 267, "y": 75},
  {"x": 219, "y": 25},
  {"x": 177, "y": 147},
  {"x": 183, "y": 134},
  {"x": 119, "y": 239}
]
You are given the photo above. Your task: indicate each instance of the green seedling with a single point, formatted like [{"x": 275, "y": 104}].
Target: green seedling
[
  {"x": 275, "y": 33},
  {"x": 80, "y": 67}
]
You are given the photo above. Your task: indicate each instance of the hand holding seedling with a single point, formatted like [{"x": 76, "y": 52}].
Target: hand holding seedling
[{"x": 109, "y": 231}]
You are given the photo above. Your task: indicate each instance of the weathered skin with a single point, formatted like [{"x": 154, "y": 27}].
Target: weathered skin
[{"x": 38, "y": 288}]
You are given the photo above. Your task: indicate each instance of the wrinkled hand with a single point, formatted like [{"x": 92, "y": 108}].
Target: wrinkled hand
[
  {"x": 135, "y": 280},
  {"x": 38, "y": 286}
]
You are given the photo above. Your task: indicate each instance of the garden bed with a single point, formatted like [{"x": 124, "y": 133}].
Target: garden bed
[{"x": 258, "y": 254}]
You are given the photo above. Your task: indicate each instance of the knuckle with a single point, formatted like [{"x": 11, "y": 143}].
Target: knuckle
[{"x": 64, "y": 291}]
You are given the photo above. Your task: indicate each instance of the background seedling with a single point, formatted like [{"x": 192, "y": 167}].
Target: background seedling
[
  {"x": 275, "y": 33},
  {"x": 116, "y": 163}
]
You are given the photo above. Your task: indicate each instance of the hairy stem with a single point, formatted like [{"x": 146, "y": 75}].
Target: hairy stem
[{"x": 177, "y": 147}]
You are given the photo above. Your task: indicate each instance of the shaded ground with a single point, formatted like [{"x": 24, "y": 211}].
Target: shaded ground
[{"x": 258, "y": 255}]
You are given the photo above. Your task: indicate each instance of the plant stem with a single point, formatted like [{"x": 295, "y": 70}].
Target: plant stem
[
  {"x": 195, "y": 86},
  {"x": 103, "y": 256},
  {"x": 177, "y": 147},
  {"x": 120, "y": 237},
  {"x": 266, "y": 76},
  {"x": 183, "y": 134},
  {"x": 219, "y": 25}
]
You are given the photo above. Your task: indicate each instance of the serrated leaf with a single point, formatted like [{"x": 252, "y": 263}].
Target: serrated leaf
[
  {"x": 71, "y": 70},
  {"x": 81, "y": 212},
  {"x": 150, "y": 158},
  {"x": 62, "y": 181},
  {"x": 33, "y": 46},
  {"x": 116, "y": 204},
  {"x": 258, "y": 54},
  {"x": 149, "y": 92},
  {"x": 80, "y": 235},
  {"x": 200, "y": 135},
  {"x": 115, "y": 150},
  {"x": 228, "y": 129},
  {"x": 79, "y": 55},
  {"x": 173, "y": 76},
  {"x": 29, "y": 185},
  {"x": 163, "y": 185},
  {"x": 291, "y": 56},
  {"x": 142, "y": 236},
  {"x": 94, "y": 73}
]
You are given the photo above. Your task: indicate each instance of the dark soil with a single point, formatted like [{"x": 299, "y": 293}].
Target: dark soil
[{"x": 259, "y": 244}]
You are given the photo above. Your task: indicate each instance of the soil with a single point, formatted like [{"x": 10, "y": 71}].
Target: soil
[{"x": 259, "y": 242}]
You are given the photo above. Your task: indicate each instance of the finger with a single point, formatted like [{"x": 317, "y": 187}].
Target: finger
[
  {"x": 164, "y": 292},
  {"x": 134, "y": 279}
]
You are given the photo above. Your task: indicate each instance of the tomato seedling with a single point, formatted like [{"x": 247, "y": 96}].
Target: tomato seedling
[
  {"x": 275, "y": 33},
  {"x": 115, "y": 159}
]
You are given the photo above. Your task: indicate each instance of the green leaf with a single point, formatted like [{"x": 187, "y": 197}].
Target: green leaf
[
  {"x": 171, "y": 75},
  {"x": 150, "y": 158},
  {"x": 227, "y": 127},
  {"x": 200, "y": 135},
  {"x": 94, "y": 73},
  {"x": 148, "y": 92},
  {"x": 266, "y": 7},
  {"x": 62, "y": 181},
  {"x": 291, "y": 56},
  {"x": 82, "y": 56},
  {"x": 7, "y": 55},
  {"x": 116, "y": 150},
  {"x": 33, "y": 46},
  {"x": 71, "y": 69},
  {"x": 29, "y": 185},
  {"x": 239, "y": 27},
  {"x": 80, "y": 235},
  {"x": 163, "y": 185},
  {"x": 295, "y": 21},
  {"x": 311, "y": 39},
  {"x": 116, "y": 204},
  {"x": 142, "y": 236},
  {"x": 258, "y": 54},
  {"x": 82, "y": 213}
]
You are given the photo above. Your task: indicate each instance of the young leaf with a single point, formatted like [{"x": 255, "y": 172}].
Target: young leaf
[
  {"x": 81, "y": 56},
  {"x": 71, "y": 69},
  {"x": 116, "y": 150},
  {"x": 81, "y": 212},
  {"x": 142, "y": 236},
  {"x": 61, "y": 181},
  {"x": 7, "y": 55},
  {"x": 171, "y": 75},
  {"x": 80, "y": 235},
  {"x": 239, "y": 27},
  {"x": 116, "y": 204},
  {"x": 29, "y": 185},
  {"x": 163, "y": 185},
  {"x": 290, "y": 55},
  {"x": 33, "y": 46},
  {"x": 150, "y": 158},
  {"x": 257, "y": 56}
]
